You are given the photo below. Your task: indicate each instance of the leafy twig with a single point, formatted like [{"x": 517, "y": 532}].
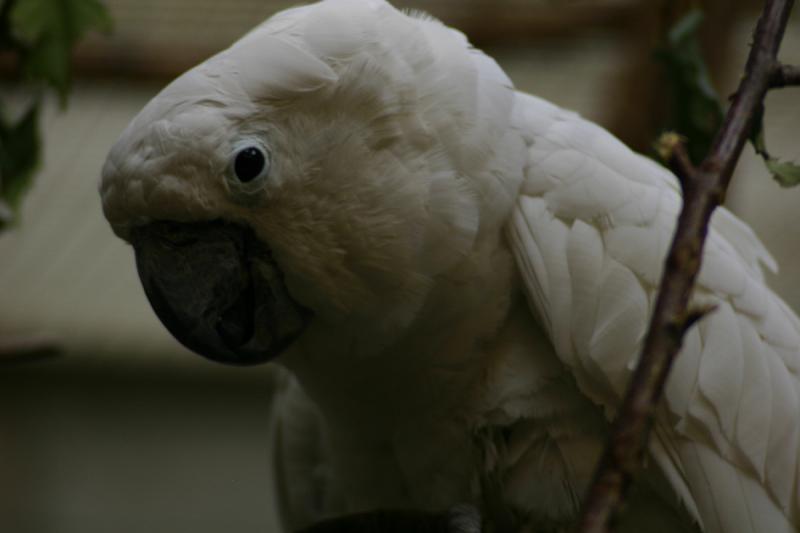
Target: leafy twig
[
  {"x": 786, "y": 173},
  {"x": 40, "y": 35},
  {"x": 704, "y": 188}
]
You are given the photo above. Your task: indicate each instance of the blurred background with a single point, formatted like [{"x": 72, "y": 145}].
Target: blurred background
[{"x": 108, "y": 424}]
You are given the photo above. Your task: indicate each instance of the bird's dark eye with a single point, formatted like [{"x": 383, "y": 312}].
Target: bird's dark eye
[{"x": 249, "y": 164}]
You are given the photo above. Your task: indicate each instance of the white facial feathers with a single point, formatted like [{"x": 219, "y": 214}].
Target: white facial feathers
[{"x": 390, "y": 143}]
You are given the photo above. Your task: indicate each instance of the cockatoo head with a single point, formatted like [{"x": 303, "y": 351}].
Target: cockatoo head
[{"x": 329, "y": 168}]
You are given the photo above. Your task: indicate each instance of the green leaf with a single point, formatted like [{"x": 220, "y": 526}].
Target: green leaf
[
  {"x": 696, "y": 111},
  {"x": 48, "y": 29},
  {"x": 20, "y": 148},
  {"x": 6, "y": 41},
  {"x": 785, "y": 173}
]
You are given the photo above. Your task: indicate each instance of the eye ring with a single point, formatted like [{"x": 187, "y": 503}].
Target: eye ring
[{"x": 249, "y": 165}]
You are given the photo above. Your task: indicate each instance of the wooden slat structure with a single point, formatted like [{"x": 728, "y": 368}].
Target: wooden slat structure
[{"x": 190, "y": 30}]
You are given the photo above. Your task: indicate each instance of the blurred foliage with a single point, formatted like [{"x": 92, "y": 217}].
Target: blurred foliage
[
  {"x": 39, "y": 35},
  {"x": 47, "y": 30},
  {"x": 696, "y": 111},
  {"x": 19, "y": 152}
]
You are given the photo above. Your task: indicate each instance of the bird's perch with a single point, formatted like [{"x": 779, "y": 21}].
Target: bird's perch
[
  {"x": 785, "y": 76},
  {"x": 704, "y": 189}
]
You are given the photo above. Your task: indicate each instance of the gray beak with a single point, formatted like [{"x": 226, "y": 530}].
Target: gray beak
[{"x": 217, "y": 289}]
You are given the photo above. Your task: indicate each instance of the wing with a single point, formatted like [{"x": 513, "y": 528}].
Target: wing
[{"x": 589, "y": 232}]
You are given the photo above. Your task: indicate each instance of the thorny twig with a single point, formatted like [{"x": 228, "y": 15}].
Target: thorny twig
[{"x": 704, "y": 189}]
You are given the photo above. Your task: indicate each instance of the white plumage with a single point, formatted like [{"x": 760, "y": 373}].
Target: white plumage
[
  {"x": 722, "y": 396},
  {"x": 415, "y": 200}
]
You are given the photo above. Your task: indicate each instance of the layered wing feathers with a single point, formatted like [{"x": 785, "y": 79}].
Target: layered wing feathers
[{"x": 590, "y": 233}]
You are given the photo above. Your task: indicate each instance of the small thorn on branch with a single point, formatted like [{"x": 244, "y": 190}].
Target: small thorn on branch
[
  {"x": 695, "y": 314},
  {"x": 784, "y": 76},
  {"x": 671, "y": 148}
]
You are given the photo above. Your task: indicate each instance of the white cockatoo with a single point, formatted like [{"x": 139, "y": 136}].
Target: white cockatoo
[{"x": 458, "y": 277}]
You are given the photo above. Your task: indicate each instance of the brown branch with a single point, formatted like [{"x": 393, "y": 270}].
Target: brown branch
[
  {"x": 785, "y": 76},
  {"x": 388, "y": 521},
  {"x": 460, "y": 519},
  {"x": 704, "y": 189},
  {"x": 27, "y": 348}
]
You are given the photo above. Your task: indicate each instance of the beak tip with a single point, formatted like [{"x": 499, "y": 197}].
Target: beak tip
[{"x": 199, "y": 281}]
